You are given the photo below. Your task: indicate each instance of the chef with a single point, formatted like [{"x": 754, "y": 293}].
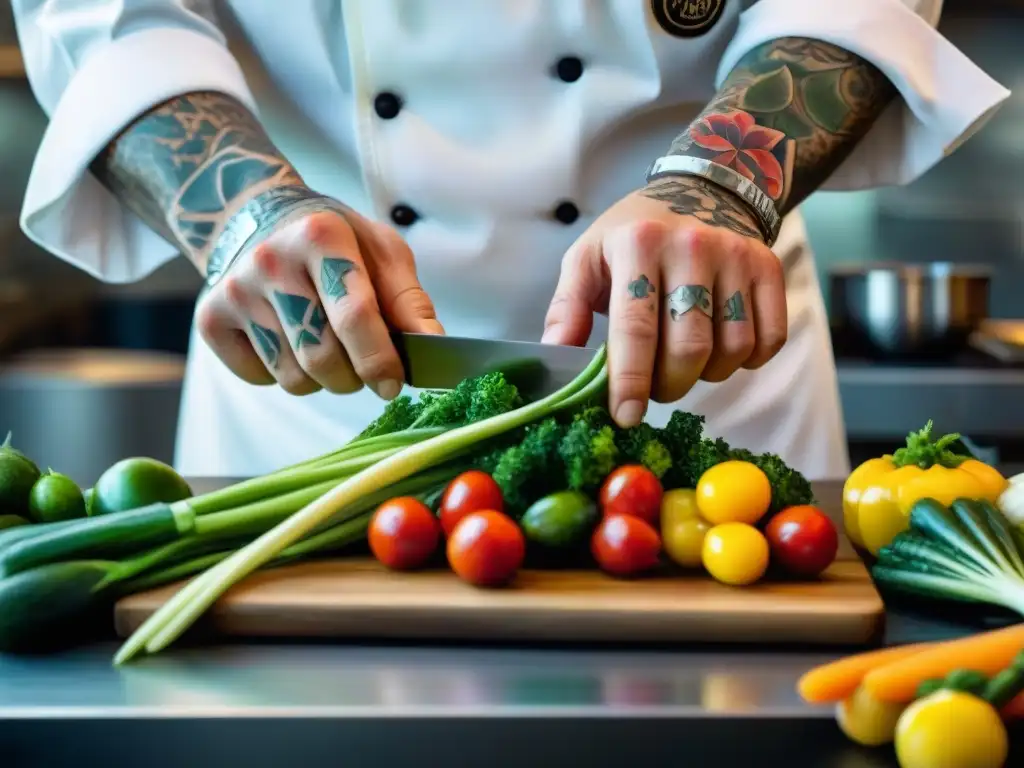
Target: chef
[{"x": 565, "y": 170}]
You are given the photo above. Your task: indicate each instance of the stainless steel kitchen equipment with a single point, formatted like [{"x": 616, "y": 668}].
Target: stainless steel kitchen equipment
[
  {"x": 441, "y": 362},
  {"x": 81, "y": 410},
  {"x": 907, "y": 310}
]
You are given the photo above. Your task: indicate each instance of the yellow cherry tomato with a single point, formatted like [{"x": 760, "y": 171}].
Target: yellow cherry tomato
[
  {"x": 735, "y": 553},
  {"x": 733, "y": 492},
  {"x": 677, "y": 505},
  {"x": 866, "y": 720},
  {"x": 951, "y": 729},
  {"x": 683, "y": 541}
]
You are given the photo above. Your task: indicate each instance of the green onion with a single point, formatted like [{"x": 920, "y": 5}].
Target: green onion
[{"x": 188, "y": 604}]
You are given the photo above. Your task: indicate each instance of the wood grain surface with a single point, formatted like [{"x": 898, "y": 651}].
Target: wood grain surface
[{"x": 356, "y": 598}]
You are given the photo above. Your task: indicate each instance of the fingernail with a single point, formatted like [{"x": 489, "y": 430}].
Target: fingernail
[
  {"x": 389, "y": 389},
  {"x": 630, "y": 413}
]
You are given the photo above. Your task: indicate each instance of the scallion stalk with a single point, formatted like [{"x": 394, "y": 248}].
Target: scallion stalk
[{"x": 181, "y": 611}]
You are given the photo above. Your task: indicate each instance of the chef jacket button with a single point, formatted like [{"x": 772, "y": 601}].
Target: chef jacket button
[
  {"x": 569, "y": 69},
  {"x": 403, "y": 215},
  {"x": 567, "y": 213},
  {"x": 387, "y": 105}
]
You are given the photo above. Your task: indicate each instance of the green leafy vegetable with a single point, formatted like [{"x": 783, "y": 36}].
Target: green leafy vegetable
[{"x": 963, "y": 552}]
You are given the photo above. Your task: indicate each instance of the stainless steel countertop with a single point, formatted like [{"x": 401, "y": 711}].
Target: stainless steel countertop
[{"x": 270, "y": 704}]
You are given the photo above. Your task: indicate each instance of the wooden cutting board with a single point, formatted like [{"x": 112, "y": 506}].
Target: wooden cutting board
[{"x": 359, "y": 599}]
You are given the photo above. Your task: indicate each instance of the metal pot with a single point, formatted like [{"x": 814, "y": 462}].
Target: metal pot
[{"x": 907, "y": 310}]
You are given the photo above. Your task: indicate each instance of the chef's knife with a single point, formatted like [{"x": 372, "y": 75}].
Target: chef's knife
[{"x": 441, "y": 362}]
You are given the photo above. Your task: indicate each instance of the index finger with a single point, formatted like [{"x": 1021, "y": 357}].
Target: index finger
[{"x": 633, "y": 260}]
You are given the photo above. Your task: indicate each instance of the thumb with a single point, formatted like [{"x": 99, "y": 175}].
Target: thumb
[
  {"x": 570, "y": 316},
  {"x": 403, "y": 302}
]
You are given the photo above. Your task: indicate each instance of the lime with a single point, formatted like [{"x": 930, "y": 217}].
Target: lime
[
  {"x": 137, "y": 482},
  {"x": 18, "y": 474},
  {"x": 55, "y": 497}
]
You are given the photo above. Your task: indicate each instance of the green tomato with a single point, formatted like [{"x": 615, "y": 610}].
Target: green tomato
[{"x": 563, "y": 519}]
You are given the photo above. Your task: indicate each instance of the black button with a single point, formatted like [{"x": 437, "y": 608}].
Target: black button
[
  {"x": 387, "y": 105},
  {"x": 567, "y": 213},
  {"x": 403, "y": 215},
  {"x": 569, "y": 69}
]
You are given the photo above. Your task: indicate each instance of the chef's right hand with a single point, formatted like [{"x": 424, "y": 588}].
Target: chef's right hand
[{"x": 310, "y": 306}]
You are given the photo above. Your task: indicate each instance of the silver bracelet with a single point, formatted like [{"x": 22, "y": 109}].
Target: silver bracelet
[
  {"x": 278, "y": 204},
  {"x": 767, "y": 216}
]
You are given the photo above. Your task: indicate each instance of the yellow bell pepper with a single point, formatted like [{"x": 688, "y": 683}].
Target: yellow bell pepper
[{"x": 878, "y": 495}]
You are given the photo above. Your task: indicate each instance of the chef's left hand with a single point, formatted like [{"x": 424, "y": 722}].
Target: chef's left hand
[{"x": 689, "y": 287}]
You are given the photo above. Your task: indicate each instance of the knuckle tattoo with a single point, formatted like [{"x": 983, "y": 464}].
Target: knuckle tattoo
[
  {"x": 304, "y": 319},
  {"x": 685, "y": 298}
]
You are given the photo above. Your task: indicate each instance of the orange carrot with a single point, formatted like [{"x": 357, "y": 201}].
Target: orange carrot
[
  {"x": 988, "y": 652},
  {"x": 838, "y": 679}
]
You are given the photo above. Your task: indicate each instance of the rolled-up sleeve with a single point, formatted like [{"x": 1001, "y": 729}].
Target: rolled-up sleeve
[
  {"x": 945, "y": 97},
  {"x": 95, "y": 66}
]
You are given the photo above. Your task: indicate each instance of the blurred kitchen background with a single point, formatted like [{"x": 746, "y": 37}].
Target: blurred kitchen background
[{"x": 92, "y": 373}]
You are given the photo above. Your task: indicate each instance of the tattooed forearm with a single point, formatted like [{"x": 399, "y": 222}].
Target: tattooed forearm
[
  {"x": 185, "y": 166},
  {"x": 789, "y": 113}
]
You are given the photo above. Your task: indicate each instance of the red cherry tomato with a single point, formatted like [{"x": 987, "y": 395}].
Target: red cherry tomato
[
  {"x": 803, "y": 540},
  {"x": 625, "y": 545},
  {"x": 486, "y": 548},
  {"x": 471, "y": 491},
  {"x": 632, "y": 490},
  {"x": 403, "y": 533}
]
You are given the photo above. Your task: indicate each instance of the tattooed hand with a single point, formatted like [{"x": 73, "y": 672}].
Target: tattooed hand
[
  {"x": 306, "y": 305},
  {"x": 690, "y": 290}
]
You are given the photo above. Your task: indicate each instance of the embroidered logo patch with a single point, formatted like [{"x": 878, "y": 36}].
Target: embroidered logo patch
[{"x": 687, "y": 18}]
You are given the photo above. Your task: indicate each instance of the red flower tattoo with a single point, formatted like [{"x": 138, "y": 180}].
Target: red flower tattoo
[{"x": 744, "y": 146}]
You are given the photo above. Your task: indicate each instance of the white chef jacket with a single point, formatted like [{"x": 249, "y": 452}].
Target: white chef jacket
[{"x": 488, "y": 143}]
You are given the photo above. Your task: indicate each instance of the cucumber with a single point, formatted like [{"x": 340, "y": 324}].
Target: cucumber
[
  {"x": 562, "y": 519},
  {"x": 12, "y": 521},
  {"x": 10, "y": 536},
  {"x": 49, "y": 605},
  {"x": 96, "y": 537}
]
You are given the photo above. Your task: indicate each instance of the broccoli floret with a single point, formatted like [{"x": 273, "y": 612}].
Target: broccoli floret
[
  {"x": 531, "y": 469},
  {"x": 683, "y": 436},
  {"x": 398, "y": 415},
  {"x": 789, "y": 487},
  {"x": 492, "y": 395},
  {"x": 642, "y": 445},
  {"x": 472, "y": 400},
  {"x": 589, "y": 454}
]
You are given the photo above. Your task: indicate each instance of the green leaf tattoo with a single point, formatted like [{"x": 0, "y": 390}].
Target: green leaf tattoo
[
  {"x": 332, "y": 277},
  {"x": 269, "y": 344},
  {"x": 640, "y": 288},
  {"x": 305, "y": 319},
  {"x": 788, "y": 114},
  {"x": 734, "y": 309}
]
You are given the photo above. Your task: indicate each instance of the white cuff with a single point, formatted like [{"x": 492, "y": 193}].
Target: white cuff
[
  {"x": 946, "y": 98},
  {"x": 66, "y": 210}
]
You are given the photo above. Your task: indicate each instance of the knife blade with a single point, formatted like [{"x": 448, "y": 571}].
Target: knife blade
[{"x": 441, "y": 362}]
